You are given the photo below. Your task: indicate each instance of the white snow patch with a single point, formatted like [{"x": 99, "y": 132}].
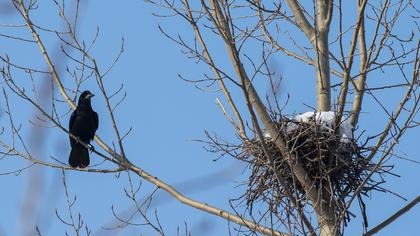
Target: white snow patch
[{"x": 327, "y": 120}]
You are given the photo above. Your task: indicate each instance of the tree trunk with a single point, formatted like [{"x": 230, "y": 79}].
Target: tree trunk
[
  {"x": 322, "y": 28},
  {"x": 323, "y": 93}
]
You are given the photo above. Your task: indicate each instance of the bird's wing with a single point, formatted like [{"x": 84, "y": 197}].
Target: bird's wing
[
  {"x": 96, "y": 118},
  {"x": 72, "y": 118},
  {"x": 71, "y": 123},
  {"x": 96, "y": 123}
]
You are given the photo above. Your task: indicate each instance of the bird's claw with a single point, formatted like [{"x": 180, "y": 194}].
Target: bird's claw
[{"x": 91, "y": 148}]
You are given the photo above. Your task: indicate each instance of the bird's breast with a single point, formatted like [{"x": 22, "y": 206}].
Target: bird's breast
[{"x": 83, "y": 126}]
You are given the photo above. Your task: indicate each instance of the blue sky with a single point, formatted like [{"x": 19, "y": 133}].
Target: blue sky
[{"x": 167, "y": 115}]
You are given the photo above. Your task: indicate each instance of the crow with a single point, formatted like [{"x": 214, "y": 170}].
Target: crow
[{"x": 83, "y": 123}]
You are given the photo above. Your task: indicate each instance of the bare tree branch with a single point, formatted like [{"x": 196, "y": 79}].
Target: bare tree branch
[{"x": 392, "y": 218}]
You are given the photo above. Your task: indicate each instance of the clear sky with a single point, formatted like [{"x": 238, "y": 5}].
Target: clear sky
[{"x": 166, "y": 115}]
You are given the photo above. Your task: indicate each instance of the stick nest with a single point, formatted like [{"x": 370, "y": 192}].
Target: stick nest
[{"x": 337, "y": 165}]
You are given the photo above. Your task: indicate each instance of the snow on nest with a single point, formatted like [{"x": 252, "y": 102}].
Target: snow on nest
[{"x": 327, "y": 120}]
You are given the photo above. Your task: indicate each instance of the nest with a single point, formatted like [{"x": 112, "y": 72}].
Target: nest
[{"x": 339, "y": 165}]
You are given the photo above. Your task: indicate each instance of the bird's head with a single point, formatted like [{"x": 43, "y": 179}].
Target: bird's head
[{"x": 85, "y": 96}]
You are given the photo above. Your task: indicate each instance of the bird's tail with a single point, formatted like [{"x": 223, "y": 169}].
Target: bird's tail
[{"x": 79, "y": 156}]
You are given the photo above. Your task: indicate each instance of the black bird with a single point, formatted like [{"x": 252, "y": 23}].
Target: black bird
[{"x": 83, "y": 123}]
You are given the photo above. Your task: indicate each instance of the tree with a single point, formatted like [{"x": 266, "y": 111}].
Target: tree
[{"x": 327, "y": 37}]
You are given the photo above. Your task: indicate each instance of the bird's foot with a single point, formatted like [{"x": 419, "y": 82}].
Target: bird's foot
[
  {"x": 77, "y": 139},
  {"x": 91, "y": 148}
]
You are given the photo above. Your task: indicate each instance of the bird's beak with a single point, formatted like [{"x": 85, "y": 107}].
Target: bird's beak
[{"x": 90, "y": 95}]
